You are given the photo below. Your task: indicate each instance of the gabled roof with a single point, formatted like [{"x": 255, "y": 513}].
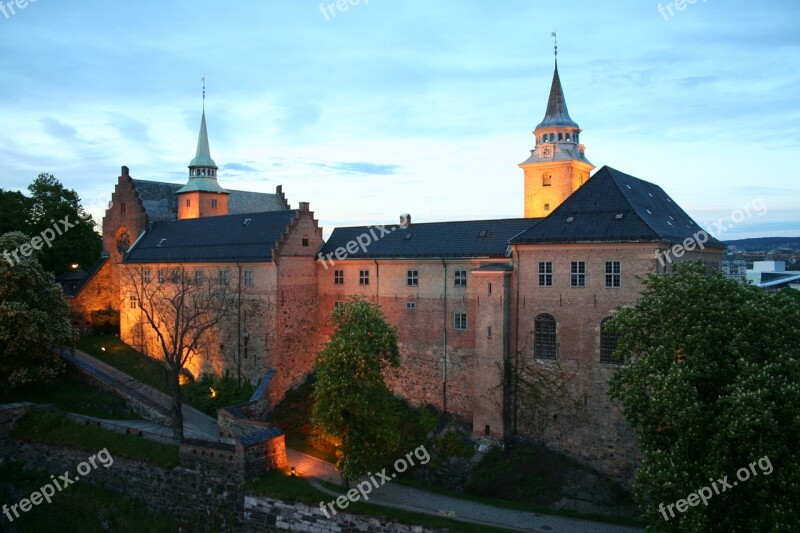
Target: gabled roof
[
  {"x": 556, "y": 113},
  {"x": 230, "y": 238},
  {"x": 434, "y": 239},
  {"x": 615, "y": 207},
  {"x": 161, "y": 202}
]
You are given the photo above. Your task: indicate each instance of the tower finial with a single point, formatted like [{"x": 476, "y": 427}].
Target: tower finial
[
  {"x": 555, "y": 44},
  {"x": 203, "y": 79}
]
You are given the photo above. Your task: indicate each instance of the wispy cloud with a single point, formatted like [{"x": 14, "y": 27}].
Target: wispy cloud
[
  {"x": 238, "y": 167},
  {"x": 359, "y": 167},
  {"x": 58, "y": 129}
]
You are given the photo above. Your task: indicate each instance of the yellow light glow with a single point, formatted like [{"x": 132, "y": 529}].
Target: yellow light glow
[
  {"x": 213, "y": 392},
  {"x": 183, "y": 379}
]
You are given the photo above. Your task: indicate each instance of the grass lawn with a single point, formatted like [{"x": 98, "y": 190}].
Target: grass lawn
[
  {"x": 278, "y": 484},
  {"x": 228, "y": 390},
  {"x": 71, "y": 393},
  {"x": 81, "y": 507},
  {"x": 124, "y": 358},
  {"x": 48, "y": 427}
]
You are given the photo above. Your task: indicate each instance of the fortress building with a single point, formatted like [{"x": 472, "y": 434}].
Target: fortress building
[{"x": 472, "y": 300}]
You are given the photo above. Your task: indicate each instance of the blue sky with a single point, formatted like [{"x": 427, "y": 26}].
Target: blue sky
[{"x": 414, "y": 106}]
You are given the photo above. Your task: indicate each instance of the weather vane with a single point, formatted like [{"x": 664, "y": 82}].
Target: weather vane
[
  {"x": 555, "y": 43},
  {"x": 203, "y": 79}
]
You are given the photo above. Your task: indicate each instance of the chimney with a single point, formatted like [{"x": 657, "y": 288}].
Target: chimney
[
  {"x": 304, "y": 206},
  {"x": 124, "y": 171},
  {"x": 405, "y": 220}
]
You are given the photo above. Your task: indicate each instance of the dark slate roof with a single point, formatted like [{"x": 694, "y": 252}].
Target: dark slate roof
[
  {"x": 614, "y": 207},
  {"x": 261, "y": 436},
  {"x": 494, "y": 267},
  {"x": 210, "y": 239},
  {"x": 262, "y": 386},
  {"x": 161, "y": 202},
  {"x": 433, "y": 239}
]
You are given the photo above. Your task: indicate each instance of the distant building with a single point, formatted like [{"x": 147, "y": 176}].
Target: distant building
[
  {"x": 735, "y": 269},
  {"x": 773, "y": 275},
  {"x": 466, "y": 296}
]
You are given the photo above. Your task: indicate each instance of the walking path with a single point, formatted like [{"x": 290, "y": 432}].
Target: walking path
[{"x": 200, "y": 425}]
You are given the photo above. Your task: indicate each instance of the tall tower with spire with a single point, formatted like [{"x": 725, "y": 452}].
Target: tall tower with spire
[
  {"x": 557, "y": 166},
  {"x": 202, "y": 196}
]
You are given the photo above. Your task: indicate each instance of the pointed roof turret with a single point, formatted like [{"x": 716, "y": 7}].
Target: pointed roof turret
[
  {"x": 203, "y": 156},
  {"x": 202, "y": 169},
  {"x": 556, "y": 114}
]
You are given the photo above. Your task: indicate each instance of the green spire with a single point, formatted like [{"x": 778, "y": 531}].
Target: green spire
[{"x": 203, "y": 156}]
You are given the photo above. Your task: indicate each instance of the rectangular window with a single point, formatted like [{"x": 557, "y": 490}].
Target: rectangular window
[
  {"x": 613, "y": 274},
  {"x": 146, "y": 275},
  {"x": 412, "y": 278},
  {"x": 122, "y": 208},
  {"x": 337, "y": 305},
  {"x": 545, "y": 273},
  {"x": 411, "y": 305},
  {"x": 248, "y": 278},
  {"x": 198, "y": 277},
  {"x": 223, "y": 277},
  {"x": 578, "y": 274},
  {"x": 363, "y": 277},
  {"x": 460, "y": 321},
  {"x": 134, "y": 301},
  {"x": 213, "y": 204},
  {"x": 305, "y": 241},
  {"x": 176, "y": 276},
  {"x": 489, "y": 332},
  {"x": 161, "y": 276},
  {"x": 461, "y": 278},
  {"x": 188, "y": 203},
  {"x": 338, "y": 277}
]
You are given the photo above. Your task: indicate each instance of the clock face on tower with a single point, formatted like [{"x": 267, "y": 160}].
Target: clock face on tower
[{"x": 545, "y": 151}]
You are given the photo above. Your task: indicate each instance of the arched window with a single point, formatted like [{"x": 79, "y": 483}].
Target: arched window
[
  {"x": 567, "y": 136},
  {"x": 608, "y": 344},
  {"x": 547, "y": 180},
  {"x": 560, "y": 136},
  {"x": 552, "y": 137},
  {"x": 544, "y": 337}
]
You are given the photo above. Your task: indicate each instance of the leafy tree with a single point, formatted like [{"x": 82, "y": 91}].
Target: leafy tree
[
  {"x": 713, "y": 386},
  {"x": 15, "y": 212},
  {"x": 34, "y": 319},
  {"x": 54, "y": 206},
  {"x": 175, "y": 313},
  {"x": 352, "y": 401}
]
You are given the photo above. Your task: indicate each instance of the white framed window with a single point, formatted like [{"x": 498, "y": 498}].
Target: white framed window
[
  {"x": 460, "y": 321},
  {"x": 223, "y": 277},
  {"x": 198, "y": 277},
  {"x": 461, "y": 277},
  {"x": 411, "y": 305},
  {"x": 578, "y": 274},
  {"x": 545, "y": 273},
  {"x": 248, "y": 278},
  {"x": 363, "y": 277},
  {"x": 146, "y": 276},
  {"x": 161, "y": 276},
  {"x": 613, "y": 274},
  {"x": 412, "y": 278},
  {"x": 337, "y": 305},
  {"x": 338, "y": 277}
]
